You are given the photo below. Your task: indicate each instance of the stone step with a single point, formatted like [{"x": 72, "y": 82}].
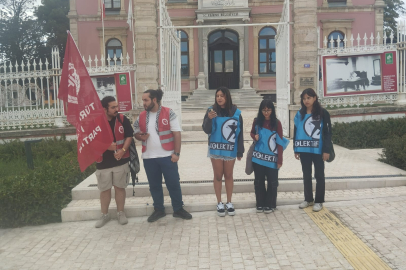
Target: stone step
[
  {"x": 87, "y": 189},
  {"x": 192, "y": 127},
  {"x": 80, "y": 210}
]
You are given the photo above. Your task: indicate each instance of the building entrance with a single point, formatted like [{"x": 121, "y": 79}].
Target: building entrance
[{"x": 223, "y": 59}]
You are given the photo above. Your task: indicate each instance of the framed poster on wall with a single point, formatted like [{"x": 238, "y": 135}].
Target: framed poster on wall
[
  {"x": 117, "y": 85},
  {"x": 360, "y": 74}
]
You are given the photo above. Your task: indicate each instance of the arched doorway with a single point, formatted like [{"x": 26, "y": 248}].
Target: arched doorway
[{"x": 223, "y": 59}]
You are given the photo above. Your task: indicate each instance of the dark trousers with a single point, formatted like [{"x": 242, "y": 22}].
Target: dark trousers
[
  {"x": 307, "y": 159},
  {"x": 155, "y": 168},
  {"x": 265, "y": 197}
]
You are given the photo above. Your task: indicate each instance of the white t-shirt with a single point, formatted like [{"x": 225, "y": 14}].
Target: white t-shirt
[{"x": 154, "y": 147}]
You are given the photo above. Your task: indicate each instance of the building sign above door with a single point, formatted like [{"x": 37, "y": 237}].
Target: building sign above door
[{"x": 207, "y": 4}]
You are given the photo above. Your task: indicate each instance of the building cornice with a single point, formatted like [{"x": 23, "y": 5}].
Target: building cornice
[
  {"x": 350, "y": 8},
  {"x": 337, "y": 21},
  {"x": 115, "y": 17}
]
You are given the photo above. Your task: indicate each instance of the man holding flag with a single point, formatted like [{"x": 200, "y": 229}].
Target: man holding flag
[{"x": 84, "y": 110}]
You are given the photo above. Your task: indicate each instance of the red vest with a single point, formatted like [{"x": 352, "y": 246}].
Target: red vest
[
  {"x": 164, "y": 129},
  {"x": 119, "y": 135}
]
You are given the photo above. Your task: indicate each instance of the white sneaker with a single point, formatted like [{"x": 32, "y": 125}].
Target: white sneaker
[
  {"x": 220, "y": 209},
  {"x": 230, "y": 209},
  {"x": 305, "y": 204},
  {"x": 122, "y": 219},
  {"x": 103, "y": 220},
  {"x": 317, "y": 207}
]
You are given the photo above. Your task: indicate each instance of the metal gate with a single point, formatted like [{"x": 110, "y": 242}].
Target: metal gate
[
  {"x": 170, "y": 66},
  {"x": 283, "y": 69}
]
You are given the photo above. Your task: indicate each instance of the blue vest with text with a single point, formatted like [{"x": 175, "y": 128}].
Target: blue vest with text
[
  {"x": 224, "y": 134},
  {"x": 309, "y": 137},
  {"x": 265, "y": 151}
]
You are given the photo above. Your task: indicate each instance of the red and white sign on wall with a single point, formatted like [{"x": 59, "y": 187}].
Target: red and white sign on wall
[
  {"x": 117, "y": 85},
  {"x": 360, "y": 74}
]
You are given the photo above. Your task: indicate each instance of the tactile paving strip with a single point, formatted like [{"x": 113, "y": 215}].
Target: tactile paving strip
[{"x": 358, "y": 254}]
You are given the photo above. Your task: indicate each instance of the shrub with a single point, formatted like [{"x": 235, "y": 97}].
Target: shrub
[
  {"x": 367, "y": 134},
  {"x": 38, "y": 196},
  {"x": 394, "y": 152}
]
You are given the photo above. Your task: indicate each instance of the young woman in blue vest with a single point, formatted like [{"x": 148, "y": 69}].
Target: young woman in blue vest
[
  {"x": 312, "y": 144},
  {"x": 268, "y": 155},
  {"x": 223, "y": 123}
]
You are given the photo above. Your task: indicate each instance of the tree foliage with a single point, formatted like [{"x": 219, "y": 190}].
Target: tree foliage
[
  {"x": 21, "y": 37},
  {"x": 393, "y": 9},
  {"x": 52, "y": 16}
]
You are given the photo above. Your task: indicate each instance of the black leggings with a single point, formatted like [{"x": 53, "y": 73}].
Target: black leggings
[
  {"x": 265, "y": 197},
  {"x": 307, "y": 159}
]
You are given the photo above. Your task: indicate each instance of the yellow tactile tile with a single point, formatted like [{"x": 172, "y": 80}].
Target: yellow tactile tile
[{"x": 358, "y": 254}]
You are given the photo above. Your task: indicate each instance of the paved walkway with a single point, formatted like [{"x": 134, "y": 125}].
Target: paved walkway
[
  {"x": 286, "y": 239},
  {"x": 194, "y": 164}
]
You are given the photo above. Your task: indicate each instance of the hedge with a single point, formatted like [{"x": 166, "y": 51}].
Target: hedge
[
  {"x": 37, "y": 196},
  {"x": 394, "y": 152},
  {"x": 367, "y": 134}
]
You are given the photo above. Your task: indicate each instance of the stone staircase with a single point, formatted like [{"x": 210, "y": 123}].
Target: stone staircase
[
  {"x": 199, "y": 195},
  {"x": 202, "y": 99}
]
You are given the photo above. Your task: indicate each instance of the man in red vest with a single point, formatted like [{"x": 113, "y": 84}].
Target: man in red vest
[
  {"x": 158, "y": 129},
  {"x": 112, "y": 167}
]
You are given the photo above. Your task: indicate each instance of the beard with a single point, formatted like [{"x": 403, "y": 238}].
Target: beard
[{"x": 150, "y": 107}]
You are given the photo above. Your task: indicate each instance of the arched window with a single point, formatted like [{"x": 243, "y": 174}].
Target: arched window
[
  {"x": 266, "y": 51},
  {"x": 338, "y": 38},
  {"x": 184, "y": 57},
  {"x": 114, "y": 48}
]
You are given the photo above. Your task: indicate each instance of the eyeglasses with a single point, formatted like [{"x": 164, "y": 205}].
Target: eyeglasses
[{"x": 267, "y": 111}]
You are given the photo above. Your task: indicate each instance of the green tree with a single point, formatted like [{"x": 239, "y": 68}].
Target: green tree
[
  {"x": 21, "y": 37},
  {"x": 393, "y": 9},
  {"x": 52, "y": 16}
]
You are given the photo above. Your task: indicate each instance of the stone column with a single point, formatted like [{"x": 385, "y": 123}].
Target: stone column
[
  {"x": 379, "y": 7},
  {"x": 146, "y": 45},
  {"x": 73, "y": 20},
  {"x": 201, "y": 78},
  {"x": 304, "y": 47},
  {"x": 246, "y": 76}
]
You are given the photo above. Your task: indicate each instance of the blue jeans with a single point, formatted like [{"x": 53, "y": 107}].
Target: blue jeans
[{"x": 155, "y": 168}]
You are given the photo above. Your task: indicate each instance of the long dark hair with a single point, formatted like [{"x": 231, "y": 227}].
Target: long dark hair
[
  {"x": 155, "y": 94},
  {"x": 229, "y": 101},
  {"x": 317, "y": 111},
  {"x": 266, "y": 103}
]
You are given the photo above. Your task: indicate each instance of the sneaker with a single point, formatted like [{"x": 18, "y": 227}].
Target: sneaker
[
  {"x": 317, "y": 207},
  {"x": 260, "y": 209},
  {"x": 156, "y": 215},
  {"x": 268, "y": 210},
  {"x": 104, "y": 218},
  {"x": 230, "y": 209},
  {"x": 122, "y": 219},
  {"x": 305, "y": 204},
  {"x": 182, "y": 213},
  {"x": 220, "y": 209}
]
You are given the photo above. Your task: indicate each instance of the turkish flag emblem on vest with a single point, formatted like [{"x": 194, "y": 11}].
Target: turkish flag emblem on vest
[{"x": 83, "y": 108}]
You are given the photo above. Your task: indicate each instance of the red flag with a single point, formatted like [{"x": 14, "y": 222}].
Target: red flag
[
  {"x": 83, "y": 107},
  {"x": 103, "y": 9}
]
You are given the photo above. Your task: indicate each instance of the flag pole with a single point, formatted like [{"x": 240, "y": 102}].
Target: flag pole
[{"x": 102, "y": 12}]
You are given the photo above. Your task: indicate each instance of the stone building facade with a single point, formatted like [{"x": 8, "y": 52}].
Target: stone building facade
[{"x": 223, "y": 55}]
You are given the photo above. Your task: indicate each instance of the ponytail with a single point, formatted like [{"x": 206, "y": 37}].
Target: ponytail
[{"x": 155, "y": 94}]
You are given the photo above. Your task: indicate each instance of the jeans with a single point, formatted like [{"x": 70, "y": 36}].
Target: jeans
[
  {"x": 155, "y": 168},
  {"x": 265, "y": 197},
  {"x": 307, "y": 159}
]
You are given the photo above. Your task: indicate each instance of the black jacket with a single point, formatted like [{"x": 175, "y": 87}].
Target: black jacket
[
  {"x": 327, "y": 132},
  {"x": 207, "y": 125}
]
